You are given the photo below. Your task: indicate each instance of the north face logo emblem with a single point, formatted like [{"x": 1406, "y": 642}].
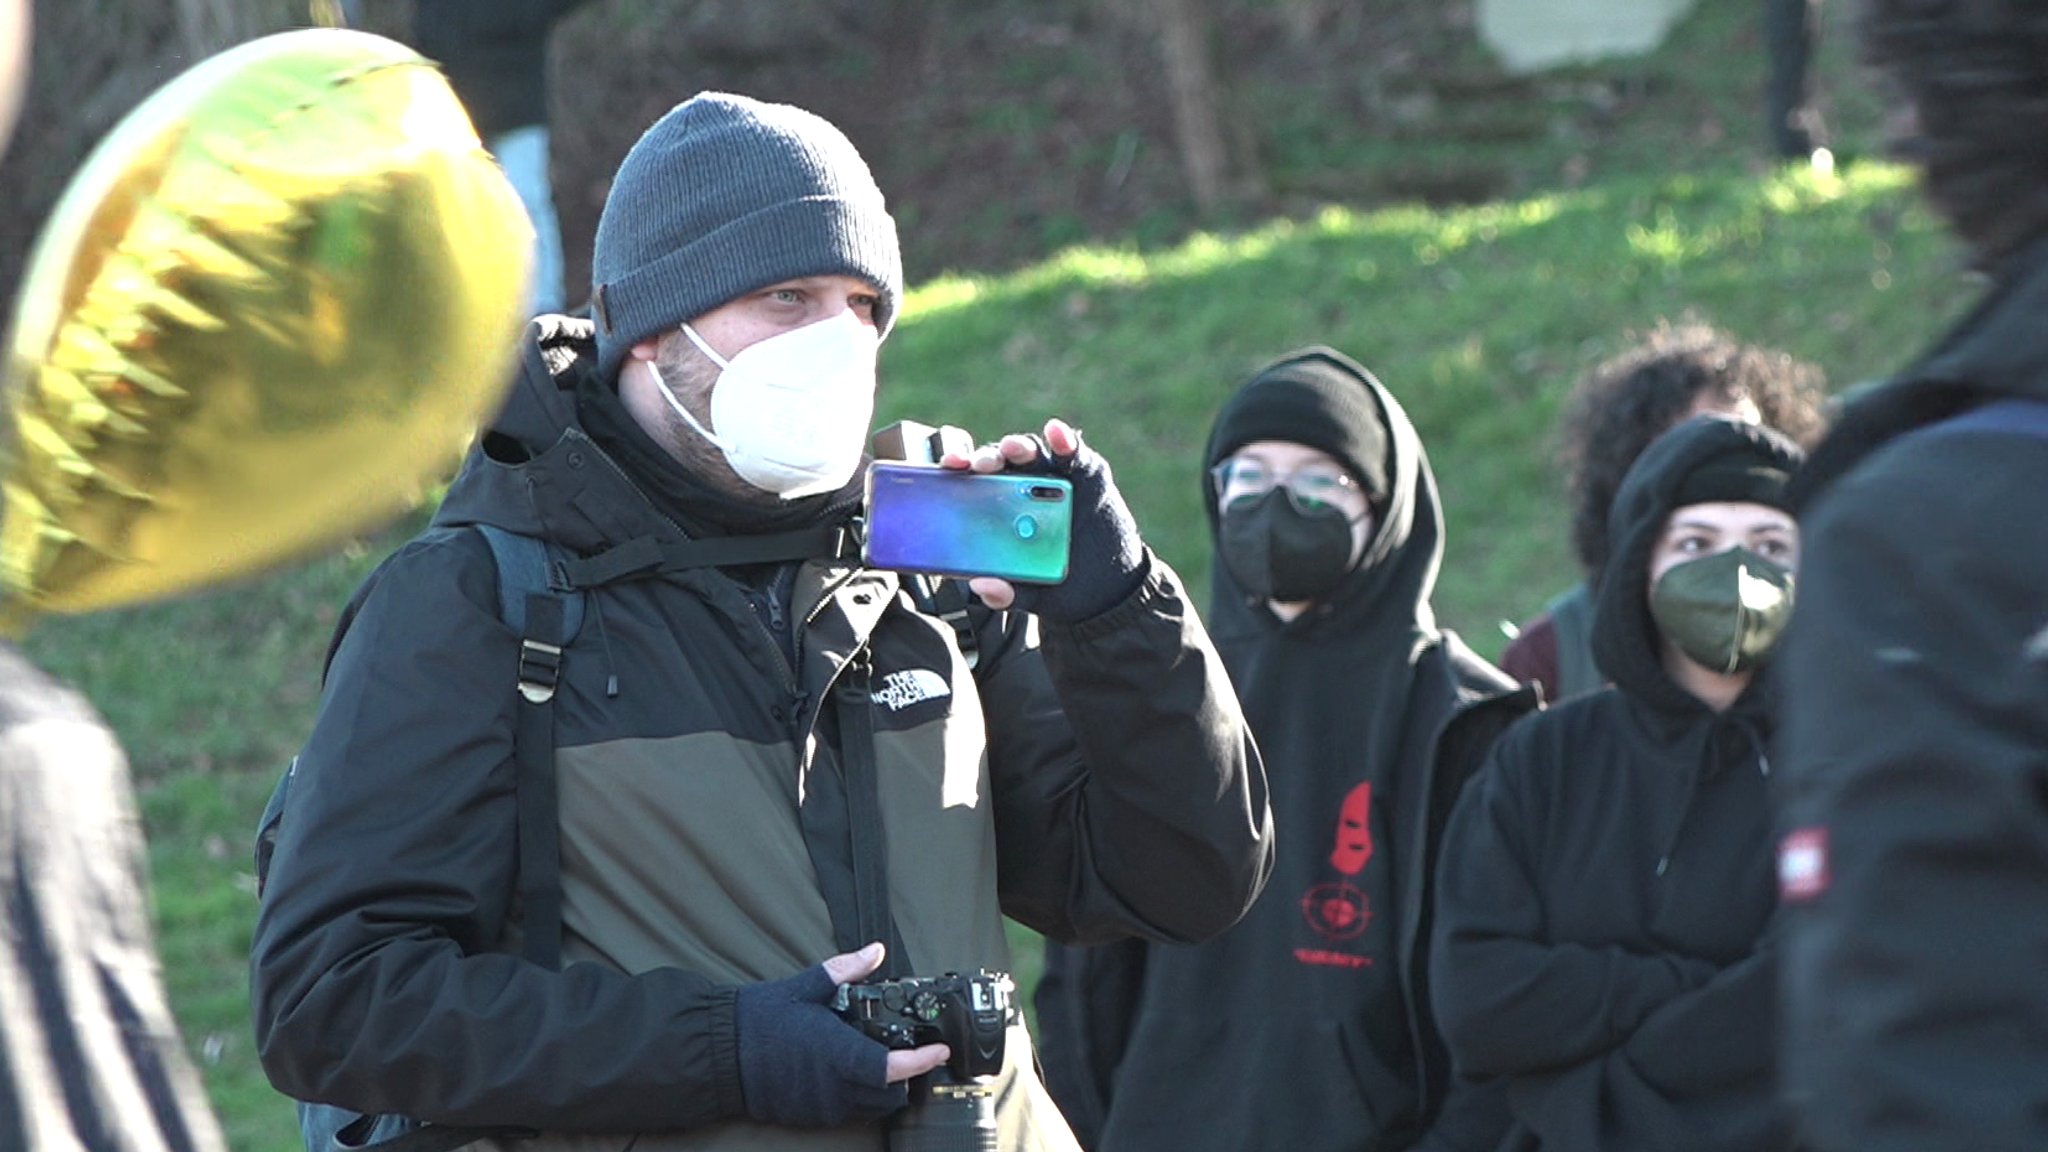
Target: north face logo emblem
[{"x": 900, "y": 690}]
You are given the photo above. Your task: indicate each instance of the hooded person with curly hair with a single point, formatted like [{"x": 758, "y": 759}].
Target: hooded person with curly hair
[
  {"x": 1612, "y": 414},
  {"x": 1602, "y": 942},
  {"x": 1914, "y": 862}
]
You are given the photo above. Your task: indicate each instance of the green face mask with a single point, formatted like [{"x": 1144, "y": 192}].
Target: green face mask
[{"x": 1724, "y": 611}]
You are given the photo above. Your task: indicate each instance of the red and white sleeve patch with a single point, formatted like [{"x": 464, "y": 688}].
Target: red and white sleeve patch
[{"x": 1803, "y": 865}]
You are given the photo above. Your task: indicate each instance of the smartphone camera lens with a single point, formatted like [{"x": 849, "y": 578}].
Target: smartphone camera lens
[
  {"x": 1026, "y": 527},
  {"x": 1043, "y": 491}
]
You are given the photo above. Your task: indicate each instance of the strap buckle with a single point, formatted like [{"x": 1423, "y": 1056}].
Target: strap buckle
[{"x": 540, "y": 670}]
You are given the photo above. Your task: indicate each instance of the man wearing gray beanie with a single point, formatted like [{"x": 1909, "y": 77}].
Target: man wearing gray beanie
[{"x": 773, "y": 772}]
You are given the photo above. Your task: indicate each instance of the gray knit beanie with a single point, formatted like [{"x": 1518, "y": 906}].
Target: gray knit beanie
[{"x": 726, "y": 195}]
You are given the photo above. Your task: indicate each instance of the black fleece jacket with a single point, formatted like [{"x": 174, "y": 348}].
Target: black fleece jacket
[{"x": 1605, "y": 889}]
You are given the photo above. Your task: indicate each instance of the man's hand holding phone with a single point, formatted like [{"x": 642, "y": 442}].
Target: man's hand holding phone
[{"x": 1106, "y": 557}]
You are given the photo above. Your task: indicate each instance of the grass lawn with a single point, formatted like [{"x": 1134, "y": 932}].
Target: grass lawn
[{"x": 1477, "y": 318}]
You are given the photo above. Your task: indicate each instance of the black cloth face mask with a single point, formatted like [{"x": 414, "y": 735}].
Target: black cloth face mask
[{"x": 1277, "y": 551}]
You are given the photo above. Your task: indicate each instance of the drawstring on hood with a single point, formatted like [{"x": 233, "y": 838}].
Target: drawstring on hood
[{"x": 1711, "y": 764}]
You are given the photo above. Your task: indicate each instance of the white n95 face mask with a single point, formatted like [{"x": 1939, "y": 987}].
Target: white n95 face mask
[{"x": 792, "y": 411}]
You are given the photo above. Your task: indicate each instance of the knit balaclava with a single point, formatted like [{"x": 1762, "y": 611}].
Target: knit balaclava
[{"x": 726, "y": 195}]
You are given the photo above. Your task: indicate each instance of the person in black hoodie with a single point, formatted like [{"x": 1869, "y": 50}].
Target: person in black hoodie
[
  {"x": 1915, "y": 732},
  {"x": 1674, "y": 373},
  {"x": 1606, "y": 883},
  {"x": 1306, "y": 1026}
]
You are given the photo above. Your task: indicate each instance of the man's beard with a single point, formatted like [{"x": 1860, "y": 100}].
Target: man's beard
[{"x": 691, "y": 375}]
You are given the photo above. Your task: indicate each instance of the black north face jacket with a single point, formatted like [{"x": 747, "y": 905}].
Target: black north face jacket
[{"x": 1098, "y": 785}]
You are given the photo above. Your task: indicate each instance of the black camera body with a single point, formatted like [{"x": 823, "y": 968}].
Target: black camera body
[
  {"x": 915, "y": 443},
  {"x": 968, "y": 1014}
]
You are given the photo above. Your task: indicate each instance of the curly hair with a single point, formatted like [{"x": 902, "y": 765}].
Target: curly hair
[
  {"x": 1615, "y": 410},
  {"x": 1975, "y": 73}
]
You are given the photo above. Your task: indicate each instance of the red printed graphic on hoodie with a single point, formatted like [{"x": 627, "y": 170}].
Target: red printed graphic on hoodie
[{"x": 1337, "y": 910}]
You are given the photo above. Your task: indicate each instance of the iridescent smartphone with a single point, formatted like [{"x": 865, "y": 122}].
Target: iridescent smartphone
[{"x": 952, "y": 522}]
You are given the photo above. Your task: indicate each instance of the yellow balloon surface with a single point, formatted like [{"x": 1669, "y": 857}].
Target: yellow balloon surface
[{"x": 268, "y": 313}]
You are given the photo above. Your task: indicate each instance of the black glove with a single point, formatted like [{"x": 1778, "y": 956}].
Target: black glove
[
  {"x": 801, "y": 1066},
  {"x": 1106, "y": 558}
]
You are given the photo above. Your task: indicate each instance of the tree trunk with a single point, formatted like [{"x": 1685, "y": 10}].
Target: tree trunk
[{"x": 1218, "y": 174}]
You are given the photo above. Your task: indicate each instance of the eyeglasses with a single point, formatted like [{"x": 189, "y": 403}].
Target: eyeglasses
[{"x": 1310, "y": 489}]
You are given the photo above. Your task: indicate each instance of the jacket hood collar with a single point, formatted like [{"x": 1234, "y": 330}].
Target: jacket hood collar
[
  {"x": 1995, "y": 352},
  {"x": 535, "y": 471}
]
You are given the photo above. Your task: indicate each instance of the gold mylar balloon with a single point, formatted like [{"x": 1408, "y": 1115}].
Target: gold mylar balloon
[{"x": 268, "y": 313}]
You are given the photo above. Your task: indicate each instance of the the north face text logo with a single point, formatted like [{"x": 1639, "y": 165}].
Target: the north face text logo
[{"x": 900, "y": 690}]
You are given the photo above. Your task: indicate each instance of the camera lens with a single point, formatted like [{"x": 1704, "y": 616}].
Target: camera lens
[
  {"x": 946, "y": 1116},
  {"x": 1044, "y": 491}
]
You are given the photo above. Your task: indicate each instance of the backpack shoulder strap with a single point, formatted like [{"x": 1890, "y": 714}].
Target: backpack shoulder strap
[
  {"x": 528, "y": 567},
  {"x": 949, "y": 600},
  {"x": 547, "y": 615}
]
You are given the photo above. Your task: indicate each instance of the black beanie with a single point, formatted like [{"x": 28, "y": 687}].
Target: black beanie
[
  {"x": 1746, "y": 470},
  {"x": 726, "y": 195},
  {"x": 1318, "y": 397}
]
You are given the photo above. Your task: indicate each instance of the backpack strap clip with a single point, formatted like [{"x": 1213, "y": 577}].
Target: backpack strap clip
[{"x": 540, "y": 669}]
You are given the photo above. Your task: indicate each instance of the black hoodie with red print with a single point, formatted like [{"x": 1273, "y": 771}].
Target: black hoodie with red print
[
  {"x": 1607, "y": 883},
  {"x": 1305, "y": 1027}
]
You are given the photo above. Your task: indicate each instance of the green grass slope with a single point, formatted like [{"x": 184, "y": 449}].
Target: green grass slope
[{"x": 1477, "y": 318}]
